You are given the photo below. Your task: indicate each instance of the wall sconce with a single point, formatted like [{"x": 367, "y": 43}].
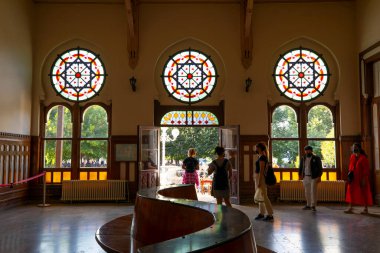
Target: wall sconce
[
  {"x": 132, "y": 81},
  {"x": 248, "y": 83}
]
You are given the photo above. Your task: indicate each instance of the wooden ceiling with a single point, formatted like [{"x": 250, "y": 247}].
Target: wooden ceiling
[{"x": 184, "y": 1}]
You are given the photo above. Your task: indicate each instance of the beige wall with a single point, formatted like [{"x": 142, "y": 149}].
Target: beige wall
[
  {"x": 328, "y": 28},
  {"x": 368, "y": 20},
  {"x": 15, "y": 66}
]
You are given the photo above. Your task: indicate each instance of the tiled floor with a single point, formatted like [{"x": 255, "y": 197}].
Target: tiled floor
[{"x": 71, "y": 228}]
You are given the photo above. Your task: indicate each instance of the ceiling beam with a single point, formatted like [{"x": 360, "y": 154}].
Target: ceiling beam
[
  {"x": 131, "y": 7},
  {"x": 246, "y": 32}
]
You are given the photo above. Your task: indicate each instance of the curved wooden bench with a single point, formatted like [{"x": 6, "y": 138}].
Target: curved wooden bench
[{"x": 164, "y": 222}]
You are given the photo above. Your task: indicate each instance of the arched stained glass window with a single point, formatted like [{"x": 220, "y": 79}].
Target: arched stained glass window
[
  {"x": 301, "y": 74},
  {"x": 189, "y": 76},
  {"x": 187, "y": 118},
  {"x": 77, "y": 74}
]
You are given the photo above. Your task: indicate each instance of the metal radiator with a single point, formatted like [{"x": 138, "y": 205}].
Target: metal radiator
[
  {"x": 327, "y": 191},
  {"x": 94, "y": 190}
]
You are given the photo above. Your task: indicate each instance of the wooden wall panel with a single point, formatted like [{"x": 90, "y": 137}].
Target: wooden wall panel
[{"x": 14, "y": 166}]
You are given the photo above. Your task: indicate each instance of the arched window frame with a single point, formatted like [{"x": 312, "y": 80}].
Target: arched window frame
[
  {"x": 56, "y": 175},
  {"x": 302, "y": 112}
]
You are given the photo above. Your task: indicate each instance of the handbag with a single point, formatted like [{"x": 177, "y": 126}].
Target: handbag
[
  {"x": 350, "y": 176},
  {"x": 270, "y": 177},
  {"x": 259, "y": 197}
]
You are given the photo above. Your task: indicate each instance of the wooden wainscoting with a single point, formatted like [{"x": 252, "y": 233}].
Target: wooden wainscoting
[{"x": 14, "y": 166}]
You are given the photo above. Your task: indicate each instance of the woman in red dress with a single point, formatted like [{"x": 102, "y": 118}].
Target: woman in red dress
[{"x": 359, "y": 191}]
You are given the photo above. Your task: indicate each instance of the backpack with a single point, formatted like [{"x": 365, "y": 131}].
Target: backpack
[
  {"x": 270, "y": 177},
  {"x": 191, "y": 164},
  {"x": 220, "y": 180}
]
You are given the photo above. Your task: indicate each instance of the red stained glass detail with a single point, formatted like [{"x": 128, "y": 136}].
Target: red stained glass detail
[
  {"x": 301, "y": 75},
  {"x": 189, "y": 76},
  {"x": 78, "y": 75}
]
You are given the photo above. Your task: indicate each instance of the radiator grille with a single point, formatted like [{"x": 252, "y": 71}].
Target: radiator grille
[
  {"x": 327, "y": 191},
  {"x": 94, "y": 190}
]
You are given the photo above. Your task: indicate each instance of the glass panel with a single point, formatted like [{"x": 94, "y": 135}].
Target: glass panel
[
  {"x": 189, "y": 76},
  {"x": 295, "y": 176},
  {"x": 102, "y": 175},
  {"x": 301, "y": 74},
  {"x": 326, "y": 150},
  {"x": 285, "y": 154},
  {"x": 324, "y": 176},
  {"x": 83, "y": 175},
  {"x": 149, "y": 148},
  {"x": 286, "y": 176},
  {"x": 48, "y": 177},
  {"x": 95, "y": 124},
  {"x": 57, "y": 154},
  {"x": 56, "y": 177},
  {"x": 284, "y": 122},
  {"x": 93, "y": 175},
  {"x": 278, "y": 175},
  {"x": 332, "y": 176},
  {"x": 93, "y": 154},
  {"x": 67, "y": 175},
  {"x": 376, "y": 136},
  {"x": 320, "y": 123},
  {"x": 58, "y": 123}
]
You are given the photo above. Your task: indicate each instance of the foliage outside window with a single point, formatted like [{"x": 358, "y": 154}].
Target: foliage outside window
[
  {"x": 57, "y": 141},
  {"x": 189, "y": 76},
  {"x": 321, "y": 134},
  {"x": 94, "y": 138},
  {"x": 204, "y": 139},
  {"x": 284, "y": 133}
]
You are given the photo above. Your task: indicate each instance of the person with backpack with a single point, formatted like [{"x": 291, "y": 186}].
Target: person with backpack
[
  {"x": 222, "y": 169},
  {"x": 190, "y": 165},
  {"x": 261, "y": 165}
]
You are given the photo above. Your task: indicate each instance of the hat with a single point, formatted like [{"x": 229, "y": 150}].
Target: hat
[{"x": 308, "y": 148}]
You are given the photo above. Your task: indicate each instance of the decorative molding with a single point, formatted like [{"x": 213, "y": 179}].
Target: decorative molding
[{"x": 4, "y": 135}]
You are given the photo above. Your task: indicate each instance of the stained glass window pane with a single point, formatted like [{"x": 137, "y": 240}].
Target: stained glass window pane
[
  {"x": 185, "y": 118},
  {"x": 95, "y": 124},
  {"x": 320, "y": 123},
  {"x": 93, "y": 154},
  {"x": 57, "y": 154},
  {"x": 189, "y": 76},
  {"x": 284, "y": 122},
  {"x": 301, "y": 74},
  {"x": 58, "y": 123},
  {"x": 78, "y": 74},
  {"x": 326, "y": 150},
  {"x": 285, "y": 154}
]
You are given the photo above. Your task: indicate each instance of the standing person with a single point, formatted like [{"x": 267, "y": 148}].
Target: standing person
[
  {"x": 359, "y": 191},
  {"x": 222, "y": 169},
  {"x": 261, "y": 163},
  {"x": 190, "y": 165},
  {"x": 310, "y": 172}
]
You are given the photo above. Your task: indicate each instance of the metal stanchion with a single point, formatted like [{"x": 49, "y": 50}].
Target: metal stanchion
[{"x": 44, "y": 194}]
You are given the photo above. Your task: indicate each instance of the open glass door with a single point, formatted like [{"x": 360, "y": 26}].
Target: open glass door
[
  {"x": 149, "y": 156},
  {"x": 229, "y": 139}
]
